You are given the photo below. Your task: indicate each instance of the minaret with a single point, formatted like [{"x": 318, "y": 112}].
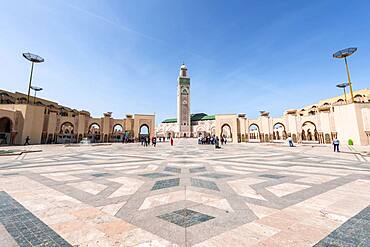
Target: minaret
[{"x": 183, "y": 103}]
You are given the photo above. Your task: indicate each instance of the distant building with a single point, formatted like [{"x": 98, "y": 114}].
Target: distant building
[
  {"x": 316, "y": 123},
  {"x": 46, "y": 121}
]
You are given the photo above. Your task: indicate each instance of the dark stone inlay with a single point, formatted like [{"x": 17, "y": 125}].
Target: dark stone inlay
[
  {"x": 271, "y": 176},
  {"x": 155, "y": 175},
  {"x": 24, "y": 227},
  {"x": 204, "y": 184},
  {"x": 172, "y": 169},
  {"x": 98, "y": 175},
  {"x": 354, "y": 232},
  {"x": 185, "y": 217},
  {"x": 216, "y": 175},
  {"x": 11, "y": 174},
  {"x": 166, "y": 183},
  {"x": 197, "y": 169}
]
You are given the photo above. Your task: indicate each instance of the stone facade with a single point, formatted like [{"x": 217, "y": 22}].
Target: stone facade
[
  {"x": 337, "y": 117},
  {"x": 45, "y": 121}
]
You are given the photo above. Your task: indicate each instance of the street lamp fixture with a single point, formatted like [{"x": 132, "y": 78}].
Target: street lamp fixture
[
  {"x": 344, "y": 85},
  {"x": 36, "y": 89},
  {"x": 344, "y": 54},
  {"x": 33, "y": 59}
]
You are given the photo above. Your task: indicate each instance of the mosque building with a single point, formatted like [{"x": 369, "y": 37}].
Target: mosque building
[
  {"x": 337, "y": 117},
  {"x": 45, "y": 121}
]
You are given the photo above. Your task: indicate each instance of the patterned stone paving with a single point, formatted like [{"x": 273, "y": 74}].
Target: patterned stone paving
[
  {"x": 24, "y": 227},
  {"x": 162, "y": 184},
  {"x": 204, "y": 184},
  {"x": 271, "y": 176},
  {"x": 216, "y": 175},
  {"x": 172, "y": 169},
  {"x": 197, "y": 169},
  {"x": 353, "y": 233},
  {"x": 185, "y": 217},
  {"x": 155, "y": 175},
  {"x": 102, "y": 174},
  {"x": 186, "y": 195}
]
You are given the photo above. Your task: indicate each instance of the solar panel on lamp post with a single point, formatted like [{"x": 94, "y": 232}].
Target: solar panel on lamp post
[
  {"x": 36, "y": 89},
  {"x": 344, "y": 54},
  {"x": 33, "y": 59},
  {"x": 344, "y": 85}
]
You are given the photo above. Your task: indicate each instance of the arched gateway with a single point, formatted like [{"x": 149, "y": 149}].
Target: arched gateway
[{"x": 5, "y": 131}]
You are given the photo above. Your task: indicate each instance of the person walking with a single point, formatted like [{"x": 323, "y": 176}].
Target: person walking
[
  {"x": 154, "y": 141},
  {"x": 146, "y": 141},
  {"x": 217, "y": 143},
  {"x": 336, "y": 145},
  {"x": 27, "y": 142},
  {"x": 290, "y": 141},
  {"x": 171, "y": 141}
]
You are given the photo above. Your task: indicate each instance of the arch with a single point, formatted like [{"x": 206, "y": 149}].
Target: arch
[
  {"x": 279, "y": 131},
  {"x": 66, "y": 128},
  {"x": 341, "y": 101},
  {"x": 94, "y": 128},
  {"x": 200, "y": 132},
  {"x": 6, "y": 125},
  {"x": 117, "y": 133},
  {"x": 184, "y": 91},
  {"x": 226, "y": 132},
  {"x": 254, "y": 132},
  {"x": 66, "y": 133},
  {"x": 22, "y": 100},
  {"x": 358, "y": 98},
  {"x": 94, "y": 132},
  {"x": 310, "y": 131},
  {"x": 144, "y": 131},
  {"x": 117, "y": 128}
]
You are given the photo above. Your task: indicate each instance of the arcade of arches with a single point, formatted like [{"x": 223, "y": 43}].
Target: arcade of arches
[{"x": 51, "y": 123}]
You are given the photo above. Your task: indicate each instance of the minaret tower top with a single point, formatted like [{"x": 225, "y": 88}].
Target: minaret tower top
[{"x": 183, "y": 71}]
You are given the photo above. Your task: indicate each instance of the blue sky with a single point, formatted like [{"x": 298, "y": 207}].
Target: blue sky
[{"x": 243, "y": 56}]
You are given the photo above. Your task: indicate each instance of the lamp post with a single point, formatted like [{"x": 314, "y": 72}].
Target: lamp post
[
  {"x": 344, "y": 54},
  {"x": 36, "y": 89},
  {"x": 344, "y": 85},
  {"x": 33, "y": 59}
]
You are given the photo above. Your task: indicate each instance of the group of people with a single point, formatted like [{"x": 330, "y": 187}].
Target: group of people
[
  {"x": 145, "y": 141},
  {"x": 211, "y": 140}
]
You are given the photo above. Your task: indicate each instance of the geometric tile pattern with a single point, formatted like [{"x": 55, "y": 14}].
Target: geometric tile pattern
[
  {"x": 155, "y": 175},
  {"x": 101, "y": 174},
  {"x": 271, "y": 176},
  {"x": 354, "y": 232},
  {"x": 201, "y": 183},
  {"x": 172, "y": 169},
  {"x": 24, "y": 227},
  {"x": 101, "y": 196},
  {"x": 185, "y": 217},
  {"x": 197, "y": 169},
  {"x": 216, "y": 175},
  {"x": 166, "y": 183}
]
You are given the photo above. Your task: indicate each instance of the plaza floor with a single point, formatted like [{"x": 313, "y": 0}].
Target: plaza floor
[{"x": 185, "y": 195}]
